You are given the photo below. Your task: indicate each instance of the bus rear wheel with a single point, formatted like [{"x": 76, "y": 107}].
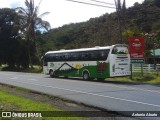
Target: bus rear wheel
[
  {"x": 86, "y": 76},
  {"x": 51, "y": 73}
]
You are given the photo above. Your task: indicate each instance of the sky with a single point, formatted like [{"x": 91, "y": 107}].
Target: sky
[{"x": 64, "y": 12}]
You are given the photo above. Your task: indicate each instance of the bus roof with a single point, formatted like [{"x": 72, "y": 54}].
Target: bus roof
[{"x": 86, "y": 49}]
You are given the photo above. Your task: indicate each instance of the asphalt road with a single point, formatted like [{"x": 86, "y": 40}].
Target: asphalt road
[{"x": 119, "y": 97}]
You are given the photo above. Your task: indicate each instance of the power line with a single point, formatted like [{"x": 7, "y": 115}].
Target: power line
[
  {"x": 91, "y": 4},
  {"x": 103, "y": 2}
]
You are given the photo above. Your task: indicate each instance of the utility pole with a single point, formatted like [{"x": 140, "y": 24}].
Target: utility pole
[
  {"x": 154, "y": 54},
  {"x": 120, "y": 15}
]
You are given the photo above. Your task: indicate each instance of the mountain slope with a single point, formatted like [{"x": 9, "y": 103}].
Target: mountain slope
[{"x": 103, "y": 30}]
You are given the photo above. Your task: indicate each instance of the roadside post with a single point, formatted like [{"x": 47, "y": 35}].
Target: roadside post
[
  {"x": 141, "y": 69},
  {"x": 136, "y": 49},
  {"x": 131, "y": 71}
]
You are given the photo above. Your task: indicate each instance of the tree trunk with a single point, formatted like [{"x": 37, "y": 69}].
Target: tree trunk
[
  {"x": 37, "y": 53},
  {"x": 30, "y": 60},
  {"x": 36, "y": 48},
  {"x": 29, "y": 53}
]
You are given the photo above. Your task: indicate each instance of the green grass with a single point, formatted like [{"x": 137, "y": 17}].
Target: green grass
[
  {"x": 1, "y": 67},
  {"x": 156, "y": 79},
  {"x": 149, "y": 78},
  {"x": 35, "y": 69},
  {"x": 32, "y": 70},
  {"x": 10, "y": 102}
]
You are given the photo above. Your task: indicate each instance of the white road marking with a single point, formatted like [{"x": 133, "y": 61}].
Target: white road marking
[
  {"x": 89, "y": 93},
  {"x": 14, "y": 78},
  {"x": 33, "y": 79}
]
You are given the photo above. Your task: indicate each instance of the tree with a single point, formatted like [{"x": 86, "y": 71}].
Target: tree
[
  {"x": 157, "y": 3},
  {"x": 156, "y": 30},
  {"x": 9, "y": 39},
  {"x": 31, "y": 22}
]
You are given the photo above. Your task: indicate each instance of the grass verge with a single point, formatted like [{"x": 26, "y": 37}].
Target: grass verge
[
  {"x": 35, "y": 69},
  {"x": 149, "y": 78},
  {"x": 9, "y": 102}
]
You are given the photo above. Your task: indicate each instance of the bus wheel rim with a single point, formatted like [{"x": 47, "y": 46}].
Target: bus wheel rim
[
  {"x": 86, "y": 76},
  {"x": 51, "y": 73}
]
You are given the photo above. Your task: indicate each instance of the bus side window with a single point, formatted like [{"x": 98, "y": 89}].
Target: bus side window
[
  {"x": 66, "y": 56},
  {"x": 82, "y": 56},
  {"x": 88, "y": 55},
  {"x": 93, "y": 55},
  {"x": 73, "y": 56},
  {"x": 76, "y": 56},
  {"x": 60, "y": 57},
  {"x": 52, "y": 57},
  {"x": 56, "y": 57},
  {"x": 103, "y": 54}
]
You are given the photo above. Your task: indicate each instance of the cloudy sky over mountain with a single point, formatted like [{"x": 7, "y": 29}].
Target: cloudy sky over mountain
[{"x": 65, "y": 12}]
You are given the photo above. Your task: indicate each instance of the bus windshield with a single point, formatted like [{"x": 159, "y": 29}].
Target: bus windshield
[{"x": 120, "y": 50}]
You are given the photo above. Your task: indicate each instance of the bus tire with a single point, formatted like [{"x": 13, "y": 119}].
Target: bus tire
[
  {"x": 51, "y": 73},
  {"x": 86, "y": 75}
]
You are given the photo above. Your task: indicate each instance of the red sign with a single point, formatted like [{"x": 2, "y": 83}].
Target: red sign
[{"x": 136, "y": 47}]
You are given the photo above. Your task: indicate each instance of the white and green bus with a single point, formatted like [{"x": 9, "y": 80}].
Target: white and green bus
[{"x": 89, "y": 63}]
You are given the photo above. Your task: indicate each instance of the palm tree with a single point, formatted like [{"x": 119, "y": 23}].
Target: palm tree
[{"x": 31, "y": 22}]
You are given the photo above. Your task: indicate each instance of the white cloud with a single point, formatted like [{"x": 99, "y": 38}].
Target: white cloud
[
  {"x": 64, "y": 12},
  {"x": 4, "y": 4}
]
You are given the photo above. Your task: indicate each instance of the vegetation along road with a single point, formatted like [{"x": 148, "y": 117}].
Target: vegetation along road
[{"x": 109, "y": 96}]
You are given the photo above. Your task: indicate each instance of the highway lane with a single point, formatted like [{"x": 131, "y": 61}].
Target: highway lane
[{"x": 109, "y": 96}]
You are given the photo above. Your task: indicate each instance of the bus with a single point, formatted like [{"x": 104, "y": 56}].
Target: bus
[{"x": 88, "y": 63}]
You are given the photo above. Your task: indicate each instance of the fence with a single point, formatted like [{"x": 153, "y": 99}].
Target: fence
[{"x": 146, "y": 68}]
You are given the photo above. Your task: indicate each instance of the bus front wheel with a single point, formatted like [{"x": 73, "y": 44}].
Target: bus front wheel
[{"x": 51, "y": 73}]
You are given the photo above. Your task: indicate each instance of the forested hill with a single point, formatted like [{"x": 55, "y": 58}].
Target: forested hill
[{"x": 138, "y": 19}]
